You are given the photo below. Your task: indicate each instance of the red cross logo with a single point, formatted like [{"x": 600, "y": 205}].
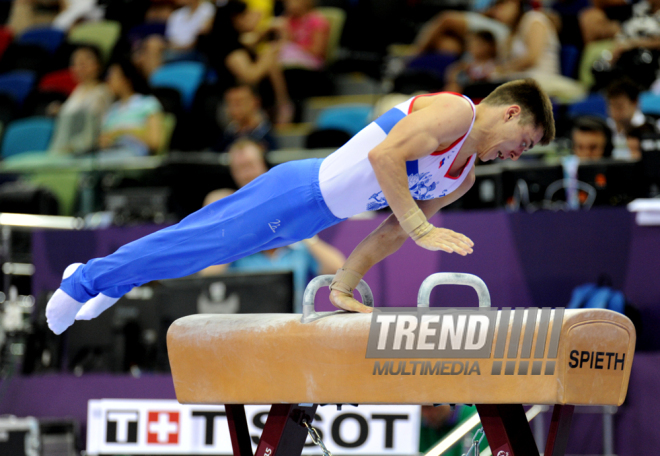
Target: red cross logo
[{"x": 163, "y": 428}]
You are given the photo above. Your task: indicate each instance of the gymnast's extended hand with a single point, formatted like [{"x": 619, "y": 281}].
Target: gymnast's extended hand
[
  {"x": 432, "y": 238},
  {"x": 341, "y": 291}
]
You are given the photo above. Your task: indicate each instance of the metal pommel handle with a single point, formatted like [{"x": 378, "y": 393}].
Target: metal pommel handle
[
  {"x": 309, "y": 314},
  {"x": 452, "y": 278}
]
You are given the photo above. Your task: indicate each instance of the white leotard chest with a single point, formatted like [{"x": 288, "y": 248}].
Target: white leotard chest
[{"x": 348, "y": 182}]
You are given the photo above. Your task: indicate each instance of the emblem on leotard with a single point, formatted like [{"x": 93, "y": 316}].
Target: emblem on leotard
[{"x": 421, "y": 188}]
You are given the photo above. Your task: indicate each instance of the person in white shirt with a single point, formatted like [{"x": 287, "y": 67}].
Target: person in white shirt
[{"x": 185, "y": 24}]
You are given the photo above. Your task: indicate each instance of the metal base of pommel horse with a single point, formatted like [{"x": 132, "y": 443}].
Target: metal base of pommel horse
[{"x": 519, "y": 356}]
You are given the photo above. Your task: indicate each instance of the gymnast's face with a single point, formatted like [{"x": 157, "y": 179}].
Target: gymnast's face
[{"x": 510, "y": 137}]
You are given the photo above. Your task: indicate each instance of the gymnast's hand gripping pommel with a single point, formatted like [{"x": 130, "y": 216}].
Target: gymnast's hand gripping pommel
[{"x": 341, "y": 291}]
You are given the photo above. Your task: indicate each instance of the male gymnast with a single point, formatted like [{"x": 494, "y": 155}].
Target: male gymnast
[{"x": 417, "y": 158}]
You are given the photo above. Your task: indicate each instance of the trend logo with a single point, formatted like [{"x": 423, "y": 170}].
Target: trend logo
[{"x": 462, "y": 337}]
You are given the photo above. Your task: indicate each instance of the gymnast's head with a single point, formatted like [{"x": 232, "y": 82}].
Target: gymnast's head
[{"x": 521, "y": 117}]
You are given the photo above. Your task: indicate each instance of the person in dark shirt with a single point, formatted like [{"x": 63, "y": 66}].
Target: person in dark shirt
[
  {"x": 246, "y": 119},
  {"x": 235, "y": 63}
]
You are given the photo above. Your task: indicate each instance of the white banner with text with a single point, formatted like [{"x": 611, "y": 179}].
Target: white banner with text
[{"x": 131, "y": 426}]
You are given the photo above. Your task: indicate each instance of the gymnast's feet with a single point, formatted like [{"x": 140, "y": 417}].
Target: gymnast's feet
[
  {"x": 95, "y": 307},
  {"x": 346, "y": 301},
  {"x": 62, "y": 309}
]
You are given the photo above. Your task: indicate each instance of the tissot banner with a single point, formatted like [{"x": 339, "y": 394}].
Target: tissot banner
[{"x": 123, "y": 426}]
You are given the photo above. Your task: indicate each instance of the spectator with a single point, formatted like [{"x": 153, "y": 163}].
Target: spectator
[
  {"x": 306, "y": 259},
  {"x": 133, "y": 125},
  {"x": 603, "y": 19},
  {"x": 637, "y": 46},
  {"x": 592, "y": 139},
  {"x": 477, "y": 64},
  {"x": 246, "y": 119},
  {"x": 533, "y": 50},
  {"x": 79, "y": 118},
  {"x": 236, "y": 63},
  {"x": 433, "y": 36},
  {"x": 624, "y": 114},
  {"x": 149, "y": 54},
  {"x": 527, "y": 39},
  {"x": 305, "y": 35},
  {"x": 184, "y": 25},
  {"x": 74, "y": 11}
]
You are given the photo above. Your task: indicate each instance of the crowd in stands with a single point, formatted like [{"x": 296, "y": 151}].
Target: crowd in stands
[{"x": 193, "y": 75}]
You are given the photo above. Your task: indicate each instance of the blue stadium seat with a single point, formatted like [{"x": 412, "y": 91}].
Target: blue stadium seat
[
  {"x": 594, "y": 105},
  {"x": 649, "y": 103},
  {"x": 141, "y": 31},
  {"x": 45, "y": 37},
  {"x": 27, "y": 135},
  {"x": 570, "y": 56},
  {"x": 185, "y": 77},
  {"x": 350, "y": 118},
  {"x": 17, "y": 84}
]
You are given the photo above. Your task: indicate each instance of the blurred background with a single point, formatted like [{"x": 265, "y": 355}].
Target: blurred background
[{"x": 121, "y": 117}]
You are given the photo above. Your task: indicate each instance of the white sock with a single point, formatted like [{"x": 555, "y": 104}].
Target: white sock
[
  {"x": 95, "y": 307},
  {"x": 61, "y": 309}
]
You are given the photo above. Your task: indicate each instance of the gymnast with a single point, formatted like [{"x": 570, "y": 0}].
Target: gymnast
[{"x": 417, "y": 158}]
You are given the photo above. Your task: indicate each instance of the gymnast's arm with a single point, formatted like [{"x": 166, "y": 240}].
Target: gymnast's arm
[
  {"x": 387, "y": 239},
  {"x": 417, "y": 135}
]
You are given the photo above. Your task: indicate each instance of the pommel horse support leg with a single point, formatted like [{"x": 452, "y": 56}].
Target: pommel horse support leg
[{"x": 526, "y": 356}]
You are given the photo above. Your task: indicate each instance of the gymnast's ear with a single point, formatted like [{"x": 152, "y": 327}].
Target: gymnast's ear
[{"x": 512, "y": 113}]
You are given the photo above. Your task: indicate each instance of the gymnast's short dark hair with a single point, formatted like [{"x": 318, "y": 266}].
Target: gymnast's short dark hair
[{"x": 534, "y": 102}]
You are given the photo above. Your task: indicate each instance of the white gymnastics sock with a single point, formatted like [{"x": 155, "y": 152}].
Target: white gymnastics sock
[
  {"x": 95, "y": 307},
  {"x": 61, "y": 309}
]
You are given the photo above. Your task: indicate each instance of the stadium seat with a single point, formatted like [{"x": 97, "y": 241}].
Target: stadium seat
[
  {"x": 8, "y": 108},
  {"x": 321, "y": 139},
  {"x": 103, "y": 34},
  {"x": 17, "y": 84},
  {"x": 58, "y": 81},
  {"x": 142, "y": 31},
  {"x": 38, "y": 103},
  {"x": 185, "y": 77},
  {"x": 336, "y": 17},
  {"x": 592, "y": 52},
  {"x": 47, "y": 38},
  {"x": 649, "y": 103},
  {"x": 27, "y": 135},
  {"x": 6, "y": 37},
  {"x": 169, "y": 98},
  {"x": 350, "y": 118},
  {"x": 593, "y": 105},
  {"x": 570, "y": 56},
  {"x": 169, "y": 123},
  {"x": 31, "y": 57}
]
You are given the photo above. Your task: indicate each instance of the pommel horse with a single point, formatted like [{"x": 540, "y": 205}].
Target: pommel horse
[{"x": 538, "y": 356}]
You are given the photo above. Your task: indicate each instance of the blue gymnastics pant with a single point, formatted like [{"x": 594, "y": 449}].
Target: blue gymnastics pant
[{"x": 279, "y": 208}]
